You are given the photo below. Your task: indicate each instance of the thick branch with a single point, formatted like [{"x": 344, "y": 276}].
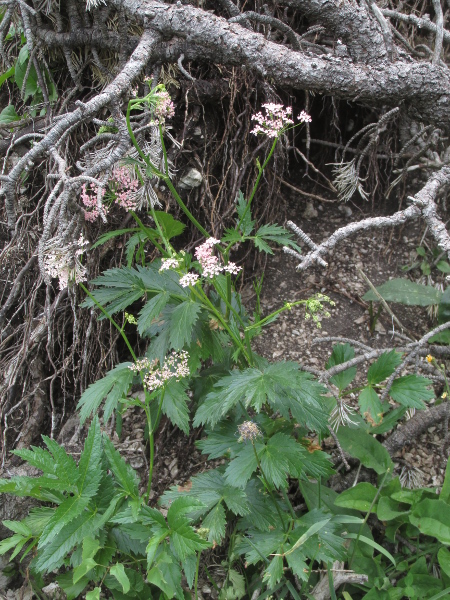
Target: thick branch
[
  {"x": 132, "y": 69},
  {"x": 423, "y": 206},
  {"x": 423, "y": 87}
]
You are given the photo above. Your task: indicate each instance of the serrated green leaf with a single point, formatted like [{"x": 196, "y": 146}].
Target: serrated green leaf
[
  {"x": 113, "y": 387},
  {"x": 65, "y": 465},
  {"x": 183, "y": 319},
  {"x": 116, "y": 290},
  {"x": 341, "y": 354},
  {"x": 273, "y": 233},
  {"x": 53, "y": 554},
  {"x": 359, "y": 497},
  {"x": 244, "y": 215},
  {"x": 175, "y": 405},
  {"x": 365, "y": 448},
  {"x": 18, "y": 527},
  {"x": 281, "y": 457},
  {"x": 274, "y": 572},
  {"x": 94, "y": 594},
  {"x": 166, "y": 575},
  {"x": 383, "y": 367},
  {"x": 89, "y": 467},
  {"x": 220, "y": 441},
  {"x": 241, "y": 468},
  {"x": 15, "y": 541},
  {"x": 411, "y": 391},
  {"x": 151, "y": 310},
  {"x": 216, "y": 522},
  {"x": 37, "y": 457},
  {"x": 405, "y": 292},
  {"x": 66, "y": 512},
  {"x": 282, "y": 385},
  {"x": 370, "y": 405},
  {"x": 118, "y": 571},
  {"x": 109, "y": 235},
  {"x": 184, "y": 541},
  {"x": 124, "y": 474}
]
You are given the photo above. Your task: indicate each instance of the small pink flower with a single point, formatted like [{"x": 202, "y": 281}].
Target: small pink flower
[{"x": 275, "y": 120}]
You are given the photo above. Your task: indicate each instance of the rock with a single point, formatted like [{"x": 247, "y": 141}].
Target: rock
[
  {"x": 191, "y": 179},
  {"x": 310, "y": 212},
  {"x": 52, "y": 590},
  {"x": 346, "y": 210}
]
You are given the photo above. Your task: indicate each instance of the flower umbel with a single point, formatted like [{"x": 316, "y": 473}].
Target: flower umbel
[
  {"x": 276, "y": 119},
  {"x": 248, "y": 431},
  {"x": 63, "y": 262},
  {"x": 174, "y": 366}
]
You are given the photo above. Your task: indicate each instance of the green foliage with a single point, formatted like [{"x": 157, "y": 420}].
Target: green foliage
[
  {"x": 94, "y": 526},
  {"x": 405, "y": 292},
  {"x": 264, "y": 424}
]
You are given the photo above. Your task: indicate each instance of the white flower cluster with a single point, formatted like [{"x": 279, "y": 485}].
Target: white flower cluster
[
  {"x": 63, "y": 262},
  {"x": 175, "y": 365},
  {"x": 189, "y": 279},
  {"x": 169, "y": 263},
  {"x": 276, "y": 119}
]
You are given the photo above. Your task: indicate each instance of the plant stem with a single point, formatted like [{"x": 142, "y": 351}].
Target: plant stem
[
  {"x": 151, "y": 440},
  {"x": 196, "y": 576},
  {"x": 255, "y": 187}
]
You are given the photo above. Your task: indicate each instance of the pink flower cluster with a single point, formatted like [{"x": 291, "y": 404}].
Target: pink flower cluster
[
  {"x": 276, "y": 119},
  {"x": 175, "y": 365},
  {"x": 209, "y": 263},
  {"x": 89, "y": 199},
  {"x": 125, "y": 188},
  {"x": 163, "y": 108}
]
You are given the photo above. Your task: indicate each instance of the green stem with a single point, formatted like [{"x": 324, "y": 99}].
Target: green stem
[
  {"x": 287, "y": 306},
  {"x": 151, "y": 441},
  {"x": 111, "y": 320},
  {"x": 255, "y": 187},
  {"x": 149, "y": 233},
  {"x": 196, "y": 576}
]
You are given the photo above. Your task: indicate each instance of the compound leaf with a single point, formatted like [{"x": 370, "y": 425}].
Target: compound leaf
[
  {"x": 411, "y": 391},
  {"x": 113, "y": 387}
]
